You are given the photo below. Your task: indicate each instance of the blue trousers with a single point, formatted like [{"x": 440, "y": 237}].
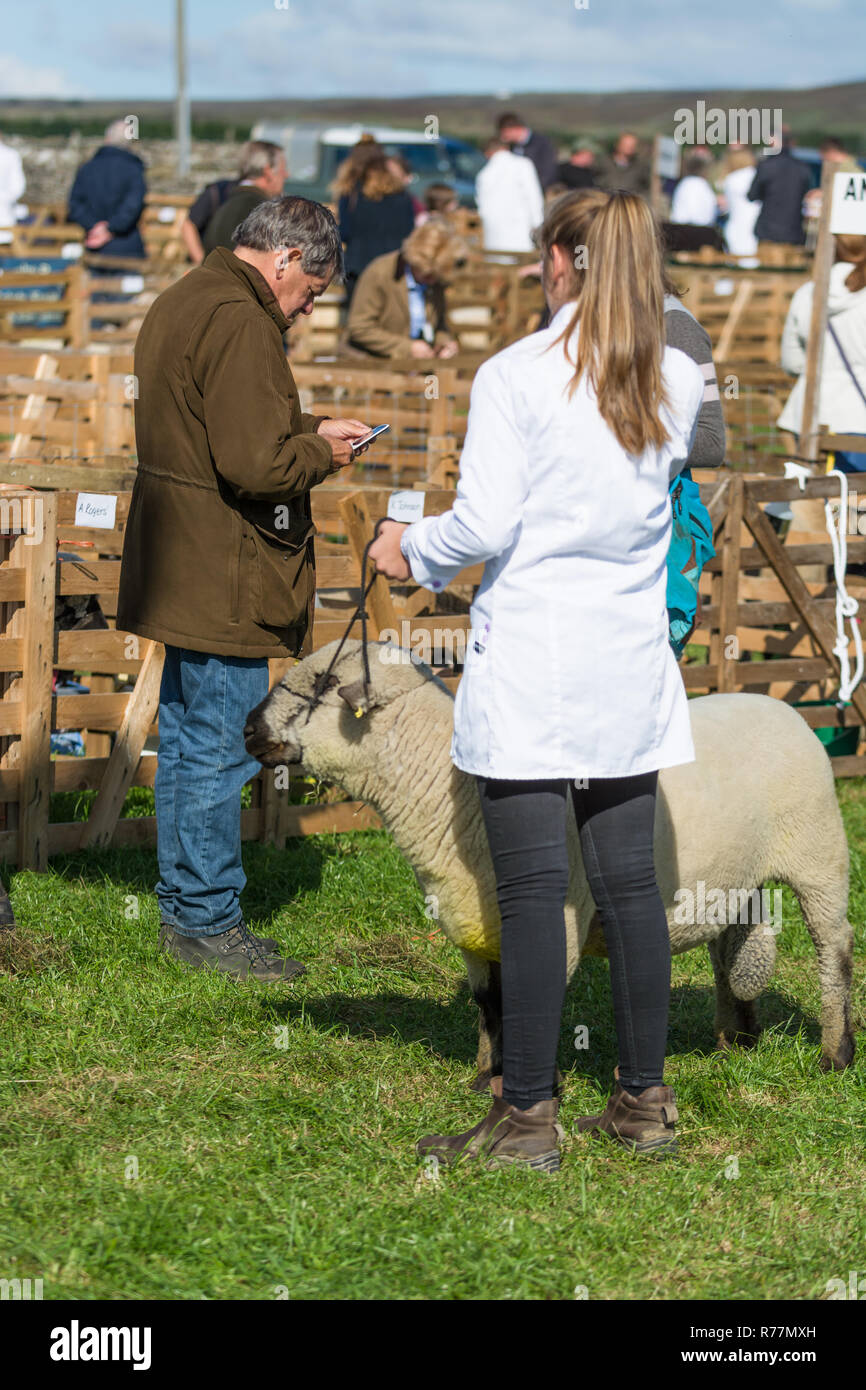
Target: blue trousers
[{"x": 203, "y": 704}]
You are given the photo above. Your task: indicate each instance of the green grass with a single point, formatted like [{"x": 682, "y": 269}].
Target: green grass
[{"x": 272, "y": 1127}]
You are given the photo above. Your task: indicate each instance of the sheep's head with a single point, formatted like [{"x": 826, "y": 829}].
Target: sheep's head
[{"x": 310, "y": 719}]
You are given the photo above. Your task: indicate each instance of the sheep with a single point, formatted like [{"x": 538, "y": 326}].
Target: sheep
[{"x": 758, "y": 803}]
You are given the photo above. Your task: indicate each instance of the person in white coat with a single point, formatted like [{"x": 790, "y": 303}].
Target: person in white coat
[
  {"x": 11, "y": 184},
  {"x": 740, "y": 236},
  {"x": 694, "y": 203},
  {"x": 570, "y": 686},
  {"x": 842, "y": 391},
  {"x": 510, "y": 200}
]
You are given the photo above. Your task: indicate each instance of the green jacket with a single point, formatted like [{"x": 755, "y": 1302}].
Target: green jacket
[
  {"x": 218, "y": 553},
  {"x": 237, "y": 206}
]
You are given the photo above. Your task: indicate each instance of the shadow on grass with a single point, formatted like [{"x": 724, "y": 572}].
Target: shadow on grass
[
  {"x": 449, "y": 1028},
  {"x": 275, "y": 877}
]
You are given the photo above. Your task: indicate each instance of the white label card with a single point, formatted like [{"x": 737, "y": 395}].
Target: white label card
[
  {"x": 95, "y": 509},
  {"x": 668, "y": 155},
  {"x": 406, "y": 506},
  {"x": 848, "y": 211}
]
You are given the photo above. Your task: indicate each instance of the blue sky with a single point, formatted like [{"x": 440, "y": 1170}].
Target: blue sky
[{"x": 316, "y": 48}]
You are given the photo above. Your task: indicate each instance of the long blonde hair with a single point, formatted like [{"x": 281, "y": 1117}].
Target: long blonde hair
[
  {"x": 613, "y": 242},
  {"x": 365, "y": 170}
]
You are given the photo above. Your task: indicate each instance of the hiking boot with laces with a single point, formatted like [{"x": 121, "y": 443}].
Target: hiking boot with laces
[
  {"x": 642, "y": 1123},
  {"x": 269, "y": 944},
  {"x": 504, "y": 1137},
  {"x": 235, "y": 952}
]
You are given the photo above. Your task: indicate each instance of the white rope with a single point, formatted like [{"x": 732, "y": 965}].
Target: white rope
[{"x": 846, "y": 606}]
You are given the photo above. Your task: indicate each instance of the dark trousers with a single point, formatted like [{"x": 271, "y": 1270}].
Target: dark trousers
[{"x": 526, "y": 830}]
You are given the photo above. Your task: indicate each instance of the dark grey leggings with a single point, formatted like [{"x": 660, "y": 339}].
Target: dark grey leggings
[{"x": 526, "y": 830}]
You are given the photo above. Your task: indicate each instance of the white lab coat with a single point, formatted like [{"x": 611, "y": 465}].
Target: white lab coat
[
  {"x": 694, "y": 203},
  {"x": 840, "y": 405},
  {"x": 510, "y": 202},
  {"x": 568, "y": 669},
  {"x": 740, "y": 236},
  {"x": 11, "y": 184}
]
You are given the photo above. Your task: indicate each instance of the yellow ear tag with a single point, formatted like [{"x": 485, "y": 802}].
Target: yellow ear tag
[{"x": 358, "y": 713}]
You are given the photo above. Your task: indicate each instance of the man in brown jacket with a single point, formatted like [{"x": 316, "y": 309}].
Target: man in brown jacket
[{"x": 218, "y": 560}]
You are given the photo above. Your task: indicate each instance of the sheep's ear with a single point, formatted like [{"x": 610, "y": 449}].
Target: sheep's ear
[{"x": 356, "y": 698}]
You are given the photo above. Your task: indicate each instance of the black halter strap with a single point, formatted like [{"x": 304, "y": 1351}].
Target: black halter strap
[{"x": 321, "y": 683}]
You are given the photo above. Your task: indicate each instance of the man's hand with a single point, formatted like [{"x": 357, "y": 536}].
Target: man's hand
[
  {"x": 386, "y": 554},
  {"x": 98, "y": 236},
  {"x": 449, "y": 348},
  {"x": 418, "y": 348},
  {"x": 339, "y": 434}
]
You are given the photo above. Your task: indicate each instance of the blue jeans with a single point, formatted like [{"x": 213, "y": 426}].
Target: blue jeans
[{"x": 203, "y": 704}]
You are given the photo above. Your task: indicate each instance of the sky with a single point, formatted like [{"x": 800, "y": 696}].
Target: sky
[{"x": 245, "y": 49}]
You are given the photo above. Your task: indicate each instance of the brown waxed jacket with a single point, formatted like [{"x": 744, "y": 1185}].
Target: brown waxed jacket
[
  {"x": 379, "y": 320},
  {"x": 218, "y": 554}
]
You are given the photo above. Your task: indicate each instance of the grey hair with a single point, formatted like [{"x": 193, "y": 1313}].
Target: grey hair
[
  {"x": 293, "y": 221},
  {"x": 115, "y": 133},
  {"x": 257, "y": 157}
]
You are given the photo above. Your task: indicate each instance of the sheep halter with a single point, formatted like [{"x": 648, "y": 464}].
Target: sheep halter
[{"x": 321, "y": 683}]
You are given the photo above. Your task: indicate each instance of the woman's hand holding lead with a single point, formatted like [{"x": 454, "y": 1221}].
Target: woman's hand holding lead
[{"x": 386, "y": 554}]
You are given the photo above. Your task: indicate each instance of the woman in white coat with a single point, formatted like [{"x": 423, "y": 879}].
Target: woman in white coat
[
  {"x": 842, "y": 390},
  {"x": 570, "y": 686},
  {"x": 740, "y": 236},
  {"x": 510, "y": 200}
]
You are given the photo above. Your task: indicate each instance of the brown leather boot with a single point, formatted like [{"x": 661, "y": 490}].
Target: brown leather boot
[
  {"x": 506, "y": 1135},
  {"x": 643, "y": 1124}
]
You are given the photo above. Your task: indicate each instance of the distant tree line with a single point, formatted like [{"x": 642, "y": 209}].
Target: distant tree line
[{"x": 150, "y": 128}]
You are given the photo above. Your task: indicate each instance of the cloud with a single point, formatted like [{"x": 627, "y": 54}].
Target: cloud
[{"x": 22, "y": 79}]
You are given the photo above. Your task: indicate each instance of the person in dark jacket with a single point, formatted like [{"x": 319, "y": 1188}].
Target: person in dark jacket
[
  {"x": 579, "y": 170},
  {"x": 263, "y": 174},
  {"x": 107, "y": 197},
  {"x": 514, "y": 132},
  {"x": 374, "y": 210},
  {"x": 626, "y": 168},
  {"x": 218, "y": 559},
  {"x": 780, "y": 184}
]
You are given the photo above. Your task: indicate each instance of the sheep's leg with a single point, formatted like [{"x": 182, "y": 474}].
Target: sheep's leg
[
  {"x": 833, "y": 940},
  {"x": 485, "y": 982},
  {"x": 736, "y": 1019}
]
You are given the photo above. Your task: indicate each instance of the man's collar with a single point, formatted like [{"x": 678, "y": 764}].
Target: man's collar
[{"x": 222, "y": 259}]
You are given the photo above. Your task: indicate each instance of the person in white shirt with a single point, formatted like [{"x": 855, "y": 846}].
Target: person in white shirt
[
  {"x": 740, "y": 236},
  {"x": 12, "y": 183},
  {"x": 842, "y": 389},
  {"x": 510, "y": 200},
  {"x": 694, "y": 203},
  {"x": 574, "y": 434}
]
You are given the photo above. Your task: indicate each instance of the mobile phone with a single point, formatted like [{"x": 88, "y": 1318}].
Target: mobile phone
[{"x": 380, "y": 429}]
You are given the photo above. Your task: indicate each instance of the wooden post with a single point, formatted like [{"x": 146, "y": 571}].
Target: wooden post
[
  {"x": 656, "y": 179},
  {"x": 35, "y": 407},
  {"x": 810, "y": 423},
  {"x": 726, "y": 338},
  {"x": 40, "y": 569},
  {"x": 140, "y": 713},
  {"x": 730, "y": 584},
  {"x": 274, "y": 800},
  {"x": 359, "y": 529}
]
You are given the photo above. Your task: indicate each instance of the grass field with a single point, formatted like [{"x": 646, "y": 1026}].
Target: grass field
[{"x": 168, "y": 1134}]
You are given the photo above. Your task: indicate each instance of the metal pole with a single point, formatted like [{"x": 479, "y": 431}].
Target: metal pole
[{"x": 182, "y": 108}]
